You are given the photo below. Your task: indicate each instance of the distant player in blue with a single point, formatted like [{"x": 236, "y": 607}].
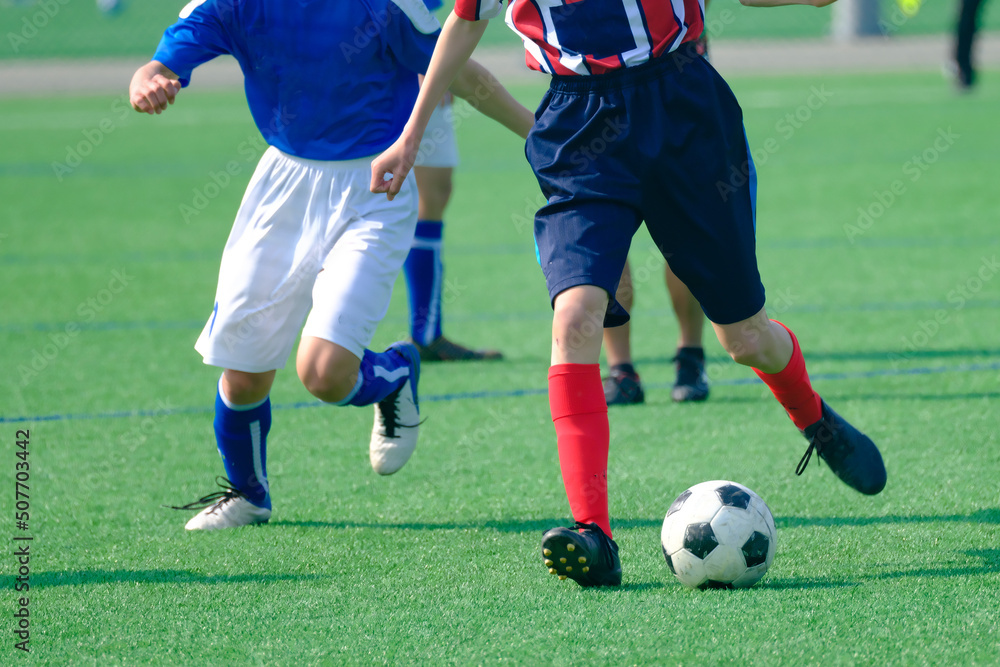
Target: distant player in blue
[
  {"x": 329, "y": 85},
  {"x": 424, "y": 267},
  {"x": 636, "y": 128}
]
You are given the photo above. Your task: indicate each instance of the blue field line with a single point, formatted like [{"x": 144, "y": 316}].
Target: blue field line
[
  {"x": 475, "y": 249},
  {"x": 487, "y": 394},
  {"x": 151, "y": 325}
]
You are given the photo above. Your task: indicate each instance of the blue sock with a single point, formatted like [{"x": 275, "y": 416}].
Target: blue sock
[
  {"x": 241, "y": 435},
  {"x": 381, "y": 373},
  {"x": 424, "y": 277}
]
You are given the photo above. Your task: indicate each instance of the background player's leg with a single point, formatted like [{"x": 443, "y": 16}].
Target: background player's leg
[
  {"x": 424, "y": 269},
  {"x": 965, "y": 35},
  {"x": 622, "y": 386},
  {"x": 690, "y": 384}
]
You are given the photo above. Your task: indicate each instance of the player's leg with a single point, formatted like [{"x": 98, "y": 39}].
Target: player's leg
[
  {"x": 263, "y": 296},
  {"x": 580, "y": 281},
  {"x": 350, "y": 297},
  {"x": 709, "y": 237},
  {"x": 424, "y": 269},
  {"x": 582, "y": 238},
  {"x": 691, "y": 383},
  {"x": 965, "y": 35},
  {"x": 242, "y": 423},
  {"x": 772, "y": 350},
  {"x": 622, "y": 386}
]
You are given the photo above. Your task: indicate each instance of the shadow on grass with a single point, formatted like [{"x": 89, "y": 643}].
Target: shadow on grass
[
  {"x": 838, "y": 398},
  {"x": 526, "y": 526},
  {"x": 93, "y": 577},
  {"x": 985, "y": 516},
  {"x": 864, "y": 355},
  {"x": 990, "y": 564}
]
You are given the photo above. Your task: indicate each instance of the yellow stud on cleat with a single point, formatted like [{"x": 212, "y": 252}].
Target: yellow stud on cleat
[
  {"x": 552, "y": 570},
  {"x": 562, "y": 560},
  {"x": 548, "y": 563},
  {"x": 581, "y": 559},
  {"x": 570, "y": 547},
  {"x": 586, "y": 569},
  {"x": 562, "y": 577},
  {"x": 546, "y": 552},
  {"x": 569, "y": 568}
]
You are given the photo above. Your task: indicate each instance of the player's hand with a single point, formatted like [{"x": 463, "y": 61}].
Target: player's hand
[
  {"x": 389, "y": 170},
  {"x": 152, "y": 90}
]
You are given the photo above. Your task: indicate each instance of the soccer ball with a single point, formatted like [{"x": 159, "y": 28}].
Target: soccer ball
[{"x": 718, "y": 534}]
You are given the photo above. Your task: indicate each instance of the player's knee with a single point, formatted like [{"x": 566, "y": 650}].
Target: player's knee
[
  {"x": 745, "y": 352},
  {"x": 330, "y": 385},
  {"x": 243, "y": 388},
  {"x": 579, "y": 313}
]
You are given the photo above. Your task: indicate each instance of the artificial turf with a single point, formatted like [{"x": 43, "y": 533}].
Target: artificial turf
[{"x": 438, "y": 564}]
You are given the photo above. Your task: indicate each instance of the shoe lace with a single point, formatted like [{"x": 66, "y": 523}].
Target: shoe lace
[
  {"x": 229, "y": 493},
  {"x": 602, "y": 538},
  {"x": 389, "y": 413},
  {"x": 824, "y": 444}
]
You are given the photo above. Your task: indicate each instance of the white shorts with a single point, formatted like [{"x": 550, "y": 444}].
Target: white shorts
[
  {"x": 310, "y": 240},
  {"x": 439, "y": 147}
]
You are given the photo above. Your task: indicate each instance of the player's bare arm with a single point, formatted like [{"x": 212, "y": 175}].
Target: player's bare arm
[
  {"x": 781, "y": 3},
  {"x": 154, "y": 87},
  {"x": 479, "y": 88},
  {"x": 455, "y": 45}
]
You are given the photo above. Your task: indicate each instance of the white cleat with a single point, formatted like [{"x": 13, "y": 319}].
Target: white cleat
[
  {"x": 397, "y": 421},
  {"x": 225, "y": 509}
]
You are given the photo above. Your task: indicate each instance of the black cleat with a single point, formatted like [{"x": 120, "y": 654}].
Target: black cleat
[
  {"x": 442, "y": 349},
  {"x": 623, "y": 387},
  {"x": 691, "y": 383},
  {"x": 584, "y": 554},
  {"x": 851, "y": 454}
]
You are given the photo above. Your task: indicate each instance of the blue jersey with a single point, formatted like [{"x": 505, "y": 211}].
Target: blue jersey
[
  {"x": 433, "y": 4},
  {"x": 325, "y": 79}
]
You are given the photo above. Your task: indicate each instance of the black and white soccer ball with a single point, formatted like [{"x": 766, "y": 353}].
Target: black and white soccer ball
[{"x": 718, "y": 534}]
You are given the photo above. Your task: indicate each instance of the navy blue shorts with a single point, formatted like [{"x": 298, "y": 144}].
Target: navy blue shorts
[{"x": 662, "y": 143}]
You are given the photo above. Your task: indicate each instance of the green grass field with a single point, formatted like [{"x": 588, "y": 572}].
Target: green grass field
[
  {"x": 72, "y": 29},
  {"x": 107, "y": 282}
]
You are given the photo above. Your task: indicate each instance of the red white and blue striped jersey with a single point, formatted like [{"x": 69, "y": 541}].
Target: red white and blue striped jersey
[{"x": 593, "y": 36}]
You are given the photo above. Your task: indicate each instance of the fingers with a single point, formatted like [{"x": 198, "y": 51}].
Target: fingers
[
  {"x": 386, "y": 178},
  {"x": 155, "y": 95}
]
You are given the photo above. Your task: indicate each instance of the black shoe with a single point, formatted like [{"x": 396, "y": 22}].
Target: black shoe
[
  {"x": 692, "y": 383},
  {"x": 623, "y": 387},
  {"x": 851, "y": 454},
  {"x": 442, "y": 349},
  {"x": 584, "y": 554}
]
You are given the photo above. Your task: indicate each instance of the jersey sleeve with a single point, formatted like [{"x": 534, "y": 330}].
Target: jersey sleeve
[
  {"x": 412, "y": 32},
  {"x": 478, "y": 10},
  {"x": 196, "y": 38}
]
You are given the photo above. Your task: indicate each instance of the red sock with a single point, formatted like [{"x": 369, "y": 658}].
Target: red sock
[
  {"x": 580, "y": 415},
  {"x": 792, "y": 388}
]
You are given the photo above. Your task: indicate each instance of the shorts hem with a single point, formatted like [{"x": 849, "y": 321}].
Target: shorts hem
[
  {"x": 576, "y": 281},
  {"x": 233, "y": 365},
  {"x": 727, "y": 317}
]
